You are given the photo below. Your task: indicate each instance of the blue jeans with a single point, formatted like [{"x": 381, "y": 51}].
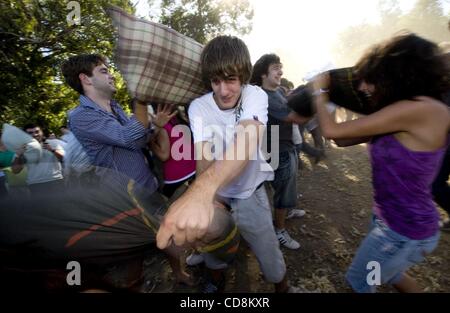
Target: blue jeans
[
  {"x": 393, "y": 252},
  {"x": 285, "y": 181}
]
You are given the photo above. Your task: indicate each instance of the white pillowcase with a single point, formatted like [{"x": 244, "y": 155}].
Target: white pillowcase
[{"x": 14, "y": 138}]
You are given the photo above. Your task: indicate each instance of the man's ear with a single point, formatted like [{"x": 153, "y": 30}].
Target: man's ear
[{"x": 84, "y": 79}]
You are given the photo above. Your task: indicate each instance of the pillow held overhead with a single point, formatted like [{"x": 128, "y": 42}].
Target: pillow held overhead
[
  {"x": 14, "y": 138},
  {"x": 159, "y": 64}
]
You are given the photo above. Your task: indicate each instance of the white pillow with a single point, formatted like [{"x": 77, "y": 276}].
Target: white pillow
[{"x": 14, "y": 138}]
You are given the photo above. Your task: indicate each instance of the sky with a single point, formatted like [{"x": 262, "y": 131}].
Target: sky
[{"x": 302, "y": 32}]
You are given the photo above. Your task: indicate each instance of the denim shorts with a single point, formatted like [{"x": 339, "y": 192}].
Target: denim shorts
[
  {"x": 285, "y": 181},
  {"x": 393, "y": 252}
]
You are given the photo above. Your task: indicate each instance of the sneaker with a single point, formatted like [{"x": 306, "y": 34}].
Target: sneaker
[
  {"x": 286, "y": 240},
  {"x": 295, "y": 213},
  {"x": 320, "y": 157},
  {"x": 209, "y": 287},
  {"x": 194, "y": 259}
]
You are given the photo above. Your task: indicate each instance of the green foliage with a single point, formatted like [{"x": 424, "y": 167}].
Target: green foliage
[
  {"x": 35, "y": 37},
  {"x": 427, "y": 19},
  {"x": 202, "y": 20}
]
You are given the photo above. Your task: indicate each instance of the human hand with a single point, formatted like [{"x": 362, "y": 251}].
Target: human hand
[
  {"x": 321, "y": 82},
  {"x": 46, "y": 146},
  {"x": 219, "y": 204},
  {"x": 187, "y": 219},
  {"x": 20, "y": 152},
  {"x": 163, "y": 115}
]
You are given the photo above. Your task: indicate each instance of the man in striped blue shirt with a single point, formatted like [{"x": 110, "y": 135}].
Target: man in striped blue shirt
[{"x": 111, "y": 139}]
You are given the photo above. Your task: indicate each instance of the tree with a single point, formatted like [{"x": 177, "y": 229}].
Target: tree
[
  {"x": 35, "y": 37},
  {"x": 204, "y": 19},
  {"x": 427, "y": 19}
]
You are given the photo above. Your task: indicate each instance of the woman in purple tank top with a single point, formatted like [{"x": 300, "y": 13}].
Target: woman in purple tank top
[{"x": 404, "y": 78}]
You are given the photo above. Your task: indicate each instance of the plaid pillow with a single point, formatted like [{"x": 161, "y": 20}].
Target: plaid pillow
[{"x": 159, "y": 64}]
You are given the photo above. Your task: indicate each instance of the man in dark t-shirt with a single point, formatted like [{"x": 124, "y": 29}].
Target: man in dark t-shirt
[{"x": 267, "y": 73}]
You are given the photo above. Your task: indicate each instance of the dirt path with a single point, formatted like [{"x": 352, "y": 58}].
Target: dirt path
[{"x": 337, "y": 197}]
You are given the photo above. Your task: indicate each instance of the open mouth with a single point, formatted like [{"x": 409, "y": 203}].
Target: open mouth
[
  {"x": 367, "y": 94},
  {"x": 227, "y": 100}
]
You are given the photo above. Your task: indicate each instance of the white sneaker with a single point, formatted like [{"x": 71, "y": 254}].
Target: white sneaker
[
  {"x": 295, "y": 213},
  {"x": 286, "y": 240},
  {"x": 194, "y": 259}
]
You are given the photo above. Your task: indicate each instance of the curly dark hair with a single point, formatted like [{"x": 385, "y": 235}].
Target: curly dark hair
[
  {"x": 74, "y": 66},
  {"x": 261, "y": 67},
  {"x": 404, "y": 67}
]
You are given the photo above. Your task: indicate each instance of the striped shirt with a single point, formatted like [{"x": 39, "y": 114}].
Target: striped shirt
[{"x": 113, "y": 141}]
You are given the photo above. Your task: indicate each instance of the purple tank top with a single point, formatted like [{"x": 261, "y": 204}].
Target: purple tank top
[{"x": 402, "y": 182}]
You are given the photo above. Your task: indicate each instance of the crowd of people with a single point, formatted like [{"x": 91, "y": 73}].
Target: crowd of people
[{"x": 214, "y": 174}]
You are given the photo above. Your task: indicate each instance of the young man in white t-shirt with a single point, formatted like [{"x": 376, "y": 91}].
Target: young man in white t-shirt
[
  {"x": 44, "y": 175},
  {"x": 228, "y": 124}
]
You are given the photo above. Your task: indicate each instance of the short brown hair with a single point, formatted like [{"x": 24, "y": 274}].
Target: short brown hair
[
  {"x": 83, "y": 63},
  {"x": 225, "y": 56}
]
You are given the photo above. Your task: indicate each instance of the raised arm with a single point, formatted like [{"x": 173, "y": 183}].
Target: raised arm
[
  {"x": 160, "y": 145},
  {"x": 105, "y": 129},
  {"x": 352, "y": 141},
  {"x": 296, "y": 118},
  {"x": 397, "y": 117}
]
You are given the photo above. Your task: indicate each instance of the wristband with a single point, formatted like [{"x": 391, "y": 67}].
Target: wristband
[{"x": 320, "y": 91}]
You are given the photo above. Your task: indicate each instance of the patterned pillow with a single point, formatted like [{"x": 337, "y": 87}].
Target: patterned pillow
[
  {"x": 159, "y": 64},
  {"x": 343, "y": 92}
]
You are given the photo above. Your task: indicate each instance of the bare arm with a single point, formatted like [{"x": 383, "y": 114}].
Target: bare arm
[
  {"x": 160, "y": 145},
  {"x": 204, "y": 156},
  {"x": 140, "y": 112},
  {"x": 188, "y": 218},
  {"x": 397, "y": 117},
  {"x": 19, "y": 161},
  {"x": 351, "y": 142},
  {"x": 295, "y": 118},
  {"x": 57, "y": 153}
]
